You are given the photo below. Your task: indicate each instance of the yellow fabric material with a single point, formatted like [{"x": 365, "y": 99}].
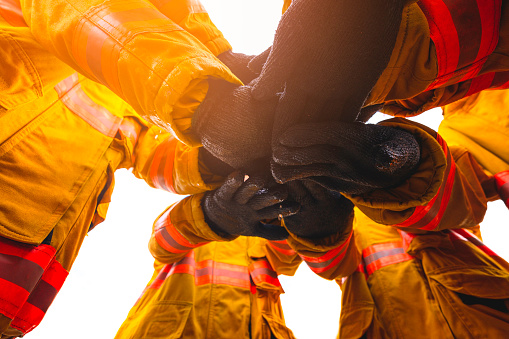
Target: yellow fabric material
[
  {"x": 413, "y": 66},
  {"x": 165, "y": 87},
  {"x": 394, "y": 205},
  {"x": 425, "y": 293},
  {"x": 181, "y": 309},
  {"x": 480, "y": 123}
]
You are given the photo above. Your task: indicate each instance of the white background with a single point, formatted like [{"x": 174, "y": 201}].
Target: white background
[{"x": 114, "y": 264}]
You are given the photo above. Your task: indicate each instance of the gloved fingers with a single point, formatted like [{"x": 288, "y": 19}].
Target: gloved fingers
[
  {"x": 252, "y": 186},
  {"x": 269, "y": 197},
  {"x": 256, "y": 63},
  {"x": 232, "y": 183},
  {"x": 290, "y": 111},
  {"x": 282, "y": 209},
  {"x": 270, "y": 232},
  {"x": 323, "y": 133},
  {"x": 338, "y": 185},
  {"x": 313, "y": 154}
]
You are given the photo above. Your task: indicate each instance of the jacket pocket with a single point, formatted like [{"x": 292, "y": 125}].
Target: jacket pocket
[
  {"x": 43, "y": 168},
  {"x": 165, "y": 319},
  {"x": 20, "y": 81}
]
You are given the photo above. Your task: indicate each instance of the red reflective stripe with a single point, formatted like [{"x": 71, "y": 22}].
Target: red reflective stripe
[
  {"x": 33, "y": 311},
  {"x": 383, "y": 255},
  {"x": 428, "y": 217},
  {"x": 329, "y": 254},
  {"x": 319, "y": 267},
  {"x": 76, "y": 100},
  {"x": 10, "y": 10},
  {"x": 262, "y": 272},
  {"x": 12, "y": 297},
  {"x": 444, "y": 35},
  {"x": 282, "y": 247},
  {"x": 161, "y": 168},
  {"x": 386, "y": 261},
  {"x": 502, "y": 183},
  {"x": 41, "y": 255},
  {"x": 461, "y": 234},
  {"x": 465, "y": 33},
  {"x": 27, "y": 318},
  {"x": 480, "y": 83},
  {"x": 169, "y": 238}
]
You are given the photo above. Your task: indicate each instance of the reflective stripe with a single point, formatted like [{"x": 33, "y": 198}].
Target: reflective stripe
[
  {"x": 161, "y": 168},
  {"x": 502, "y": 183},
  {"x": 10, "y": 10},
  {"x": 465, "y": 33},
  {"x": 428, "y": 217},
  {"x": 33, "y": 311},
  {"x": 76, "y": 100},
  {"x": 30, "y": 278},
  {"x": 104, "y": 30},
  {"x": 381, "y": 255},
  {"x": 461, "y": 234},
  {"x": 262, "y": 272},
  {"x": 169, "y": 238},
  {"x": 282, "y": 247},
  {"x": 205, "y": 272},
  {"x": 329, "y": 259}
]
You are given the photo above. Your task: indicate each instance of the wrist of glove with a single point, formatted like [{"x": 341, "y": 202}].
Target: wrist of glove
[
  {"x": 238, "y": 64},
  {"x": 233, "y": 126},
  {"x": 322, "y": 213},
  {"x": 352, "y": 158},
  {"x": 241, "y": 207}
]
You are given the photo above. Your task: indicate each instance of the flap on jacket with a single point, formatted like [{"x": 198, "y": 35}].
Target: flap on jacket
[
  {"x": 20, "y": 81},
  {"x": 43, "y": 169}
]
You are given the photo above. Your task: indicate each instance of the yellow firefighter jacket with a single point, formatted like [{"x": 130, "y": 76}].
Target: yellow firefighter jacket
[
  {"x": 62, "y": 138},
  {"x": 444, "y": 284},
  {"x": 217, "y": 290}
]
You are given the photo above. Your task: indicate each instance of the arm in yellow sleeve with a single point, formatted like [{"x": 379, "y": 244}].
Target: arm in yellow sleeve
[
  {"x": 439, "y": 195},
  {"x": 180, "y": 229},
  {"x": 192, "y": 16},
  {"x": 157, "y": 67},
  {"x": 333, "y": 257}
]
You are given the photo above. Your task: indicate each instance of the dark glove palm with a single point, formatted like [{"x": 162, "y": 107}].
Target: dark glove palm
[
  {"x": 322, "y": 212},
  {"x": 345, "y": 157},
  {"x": 240, "y": 208},
  {"x": 232, "y": 125},
  {"x": 326, "y": 57}
]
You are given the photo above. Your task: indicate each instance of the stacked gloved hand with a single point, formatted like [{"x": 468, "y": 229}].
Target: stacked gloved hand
[
  {"x": 345, "y": 157},
  {"x": 232, "y": 125},
  {"x": 326, "y": 57},
  {"x": 322, "y": 212},
  {"x": 240, "y": 207}
]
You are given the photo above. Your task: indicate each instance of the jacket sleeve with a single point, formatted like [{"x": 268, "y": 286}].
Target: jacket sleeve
[
  {"x": 333, "y": 257},
  {"x": 180, "y": 229},
  {"x": 444, "y": 192},
  {"x": 147, "y": 59},
  {"x": 192, "y": 16}
]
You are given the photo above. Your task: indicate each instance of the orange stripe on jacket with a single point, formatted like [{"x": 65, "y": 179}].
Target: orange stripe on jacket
[
  {"x": 428, "y": 217},
  {"x": 330, "y": 259},
  {"x": 101, "y": 34},
  {"x": 169, "y": 238},
  {"x": 76, "y": 100},
  {"x": 161, "y": 168}
]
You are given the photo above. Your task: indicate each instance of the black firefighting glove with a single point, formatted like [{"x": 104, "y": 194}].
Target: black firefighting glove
[
  {"x": 326, "y": 57},
  {"x": 232, "y": 125},
  {"x": 322, "y": 212},
  {"x": 242, "y": 208},
  {"x": 346, "y": 157},
  {"x": 238, "y": 64}
]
